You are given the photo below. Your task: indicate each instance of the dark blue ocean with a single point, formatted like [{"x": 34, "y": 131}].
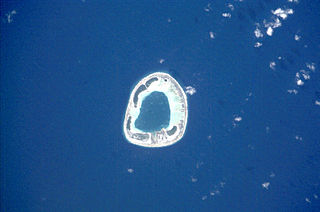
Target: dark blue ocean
[{"x": 253, "y": 135}]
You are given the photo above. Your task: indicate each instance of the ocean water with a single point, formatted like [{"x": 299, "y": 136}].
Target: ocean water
[{"x": 251, "y": 72}]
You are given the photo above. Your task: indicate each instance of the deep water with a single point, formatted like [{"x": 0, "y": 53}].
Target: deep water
[{"x": 252, "y": 138}]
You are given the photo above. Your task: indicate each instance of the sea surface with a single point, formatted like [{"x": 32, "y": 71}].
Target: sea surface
[{"x": 251, "y": 71}]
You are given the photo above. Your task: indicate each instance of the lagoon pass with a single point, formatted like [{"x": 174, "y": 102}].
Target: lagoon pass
[{"x": 177, "y": 100}]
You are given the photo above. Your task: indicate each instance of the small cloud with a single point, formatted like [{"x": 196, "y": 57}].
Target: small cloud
[
  {"x": 230, "y": 6},
  {"x": 130, "y": 170},
  {"x": 297, "y": 37},
  {"x": 282, "y": 13},
  {"x": 300, "y": 82},
  {"x": 311, "y": 66},
  {"x": 269, "y": 31},
  {"x": 208, "y": 8},
  {"x": 212, "y": 35},
  {"x": 308, "y": 200},
  {"x": 226, "y": 15},
  {"x": 161, "y": 61},
  {"x": 10, "y": 16},
  {"x": 257, "y": 44},
  {"x": 258, "y": 33},
  {"x": 305, "y": 74},
  {"x": 271, "y": 25},
  {"x": 292, "y": 91},
  {"x": 193, "y": 179},
  {"x": 267, "y": 129},
  {"x": 302, "y": 75},
  {"x": 298, "y": 79},
  {"x": 272, "y": 65},
  {"x": 190, "y": 90},
  {"x": 238, "y": 119},
  {"x": 266, "y": 185}
]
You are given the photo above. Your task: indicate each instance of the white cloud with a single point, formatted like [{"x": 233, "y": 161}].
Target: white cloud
[{"x": 190, "y": 90}]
